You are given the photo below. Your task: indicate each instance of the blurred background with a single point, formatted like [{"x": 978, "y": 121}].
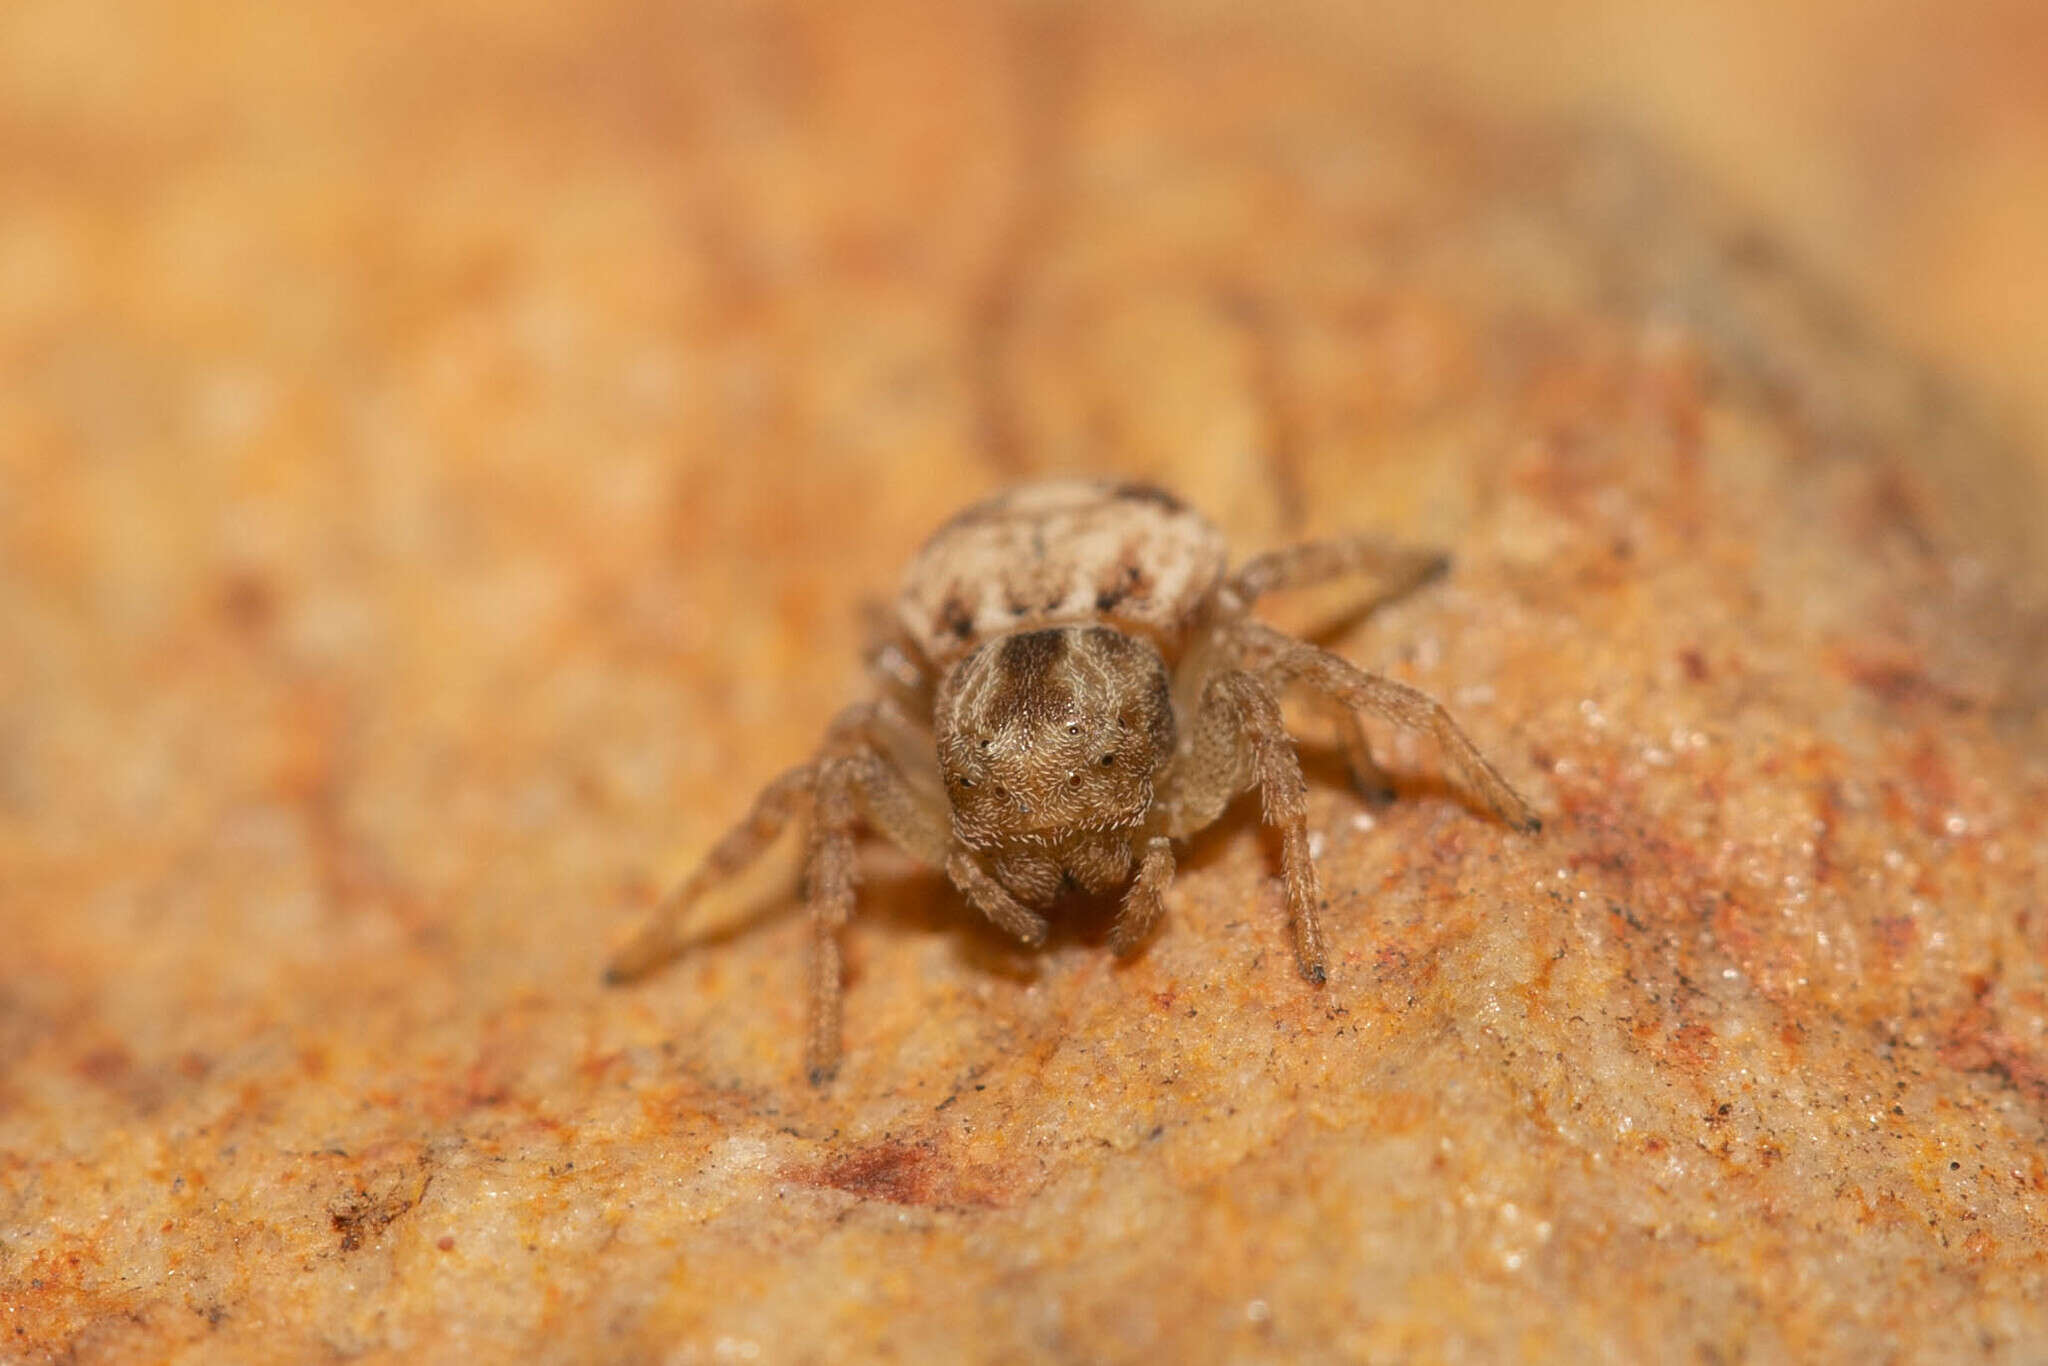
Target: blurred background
[
  {"x": 168, "y": 159},
  {"x": 177, "y": 170},
  {"x": 1898, "y": 147}
]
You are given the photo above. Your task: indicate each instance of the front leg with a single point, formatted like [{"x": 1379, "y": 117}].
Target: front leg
[
  {"x": 852, "y": 788},
  {"x": 1239, "y": 739},
  {"x": 660, "y": 939},
  {"x": 993, "y": 900},
  {"x": 1146, "y": 901},
  {"x": 832, "y": 785},
  {"x": 833, "y": 874},
  {"x": 850, "y": 782}
]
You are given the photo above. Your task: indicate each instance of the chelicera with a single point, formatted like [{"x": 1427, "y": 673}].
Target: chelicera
[{"x": 1068, "y": 683}]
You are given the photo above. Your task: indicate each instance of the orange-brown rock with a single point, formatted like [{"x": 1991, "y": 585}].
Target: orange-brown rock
[{"x": 444, "y": 452}]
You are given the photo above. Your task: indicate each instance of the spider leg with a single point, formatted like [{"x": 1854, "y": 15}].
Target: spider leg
[
  {"x": 892, "y": 660},
  {"x": 1287, "y": 660},
  {"x": 852, "y": 788},
  {"x": 1239, "y": 739},
  {"x": 660, "y": 938},
  {"x": 848, "y": 783},
  {"x": 833, "y": 874},
  {"x": 1145, "y": 902},
  {"x": 1367, "y": 776},
  {"x": 994, "y": 900},
  {"x": 1399, "y": 569}
]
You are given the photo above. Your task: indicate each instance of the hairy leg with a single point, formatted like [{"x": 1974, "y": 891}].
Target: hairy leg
[
  {"x": 660, "y": 939},
  {"x": 1239, "y": 739},
  {"x": 1283, "y": 660},
  {"x": 831, "y": 877},
  {"x": 891, "y": 660},
  {"x": 850, "y": 782},
  {"x": 1399, "y": 569},
  {"x": 1145, "y": 902},
  {"x": 1367, "y": 776},
  {"x": 896, "y": 809},
  {"x": 993, "y": 900},
  {"x": 852, "y": 788}
]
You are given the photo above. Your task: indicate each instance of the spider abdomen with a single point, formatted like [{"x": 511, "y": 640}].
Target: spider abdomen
[{"x": 1124, "y": 554}]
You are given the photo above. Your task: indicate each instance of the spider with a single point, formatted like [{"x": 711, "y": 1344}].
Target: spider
[{"x": 1069, "y": 681}]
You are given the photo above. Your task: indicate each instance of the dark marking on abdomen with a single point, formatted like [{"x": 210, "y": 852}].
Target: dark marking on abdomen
[{"x": 1137, "y": 492}]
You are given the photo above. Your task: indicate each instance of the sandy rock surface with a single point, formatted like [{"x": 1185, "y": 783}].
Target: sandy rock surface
[{"x": 443, "y": 459}]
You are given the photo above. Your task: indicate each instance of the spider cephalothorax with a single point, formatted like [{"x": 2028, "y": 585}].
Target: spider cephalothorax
[
  {"x": 1052, "y": 733},
  {"x": 1071, "y": 667}
]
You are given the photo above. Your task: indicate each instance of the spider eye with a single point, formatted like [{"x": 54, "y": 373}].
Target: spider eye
[
  {"x": 963, "y": 782},
  {"x": 1108, "y": 760},
  {"x": 1073, "y": 727}
]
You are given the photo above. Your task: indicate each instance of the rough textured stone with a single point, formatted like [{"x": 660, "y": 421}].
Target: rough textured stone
[{"x": 445, "y": 453}]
